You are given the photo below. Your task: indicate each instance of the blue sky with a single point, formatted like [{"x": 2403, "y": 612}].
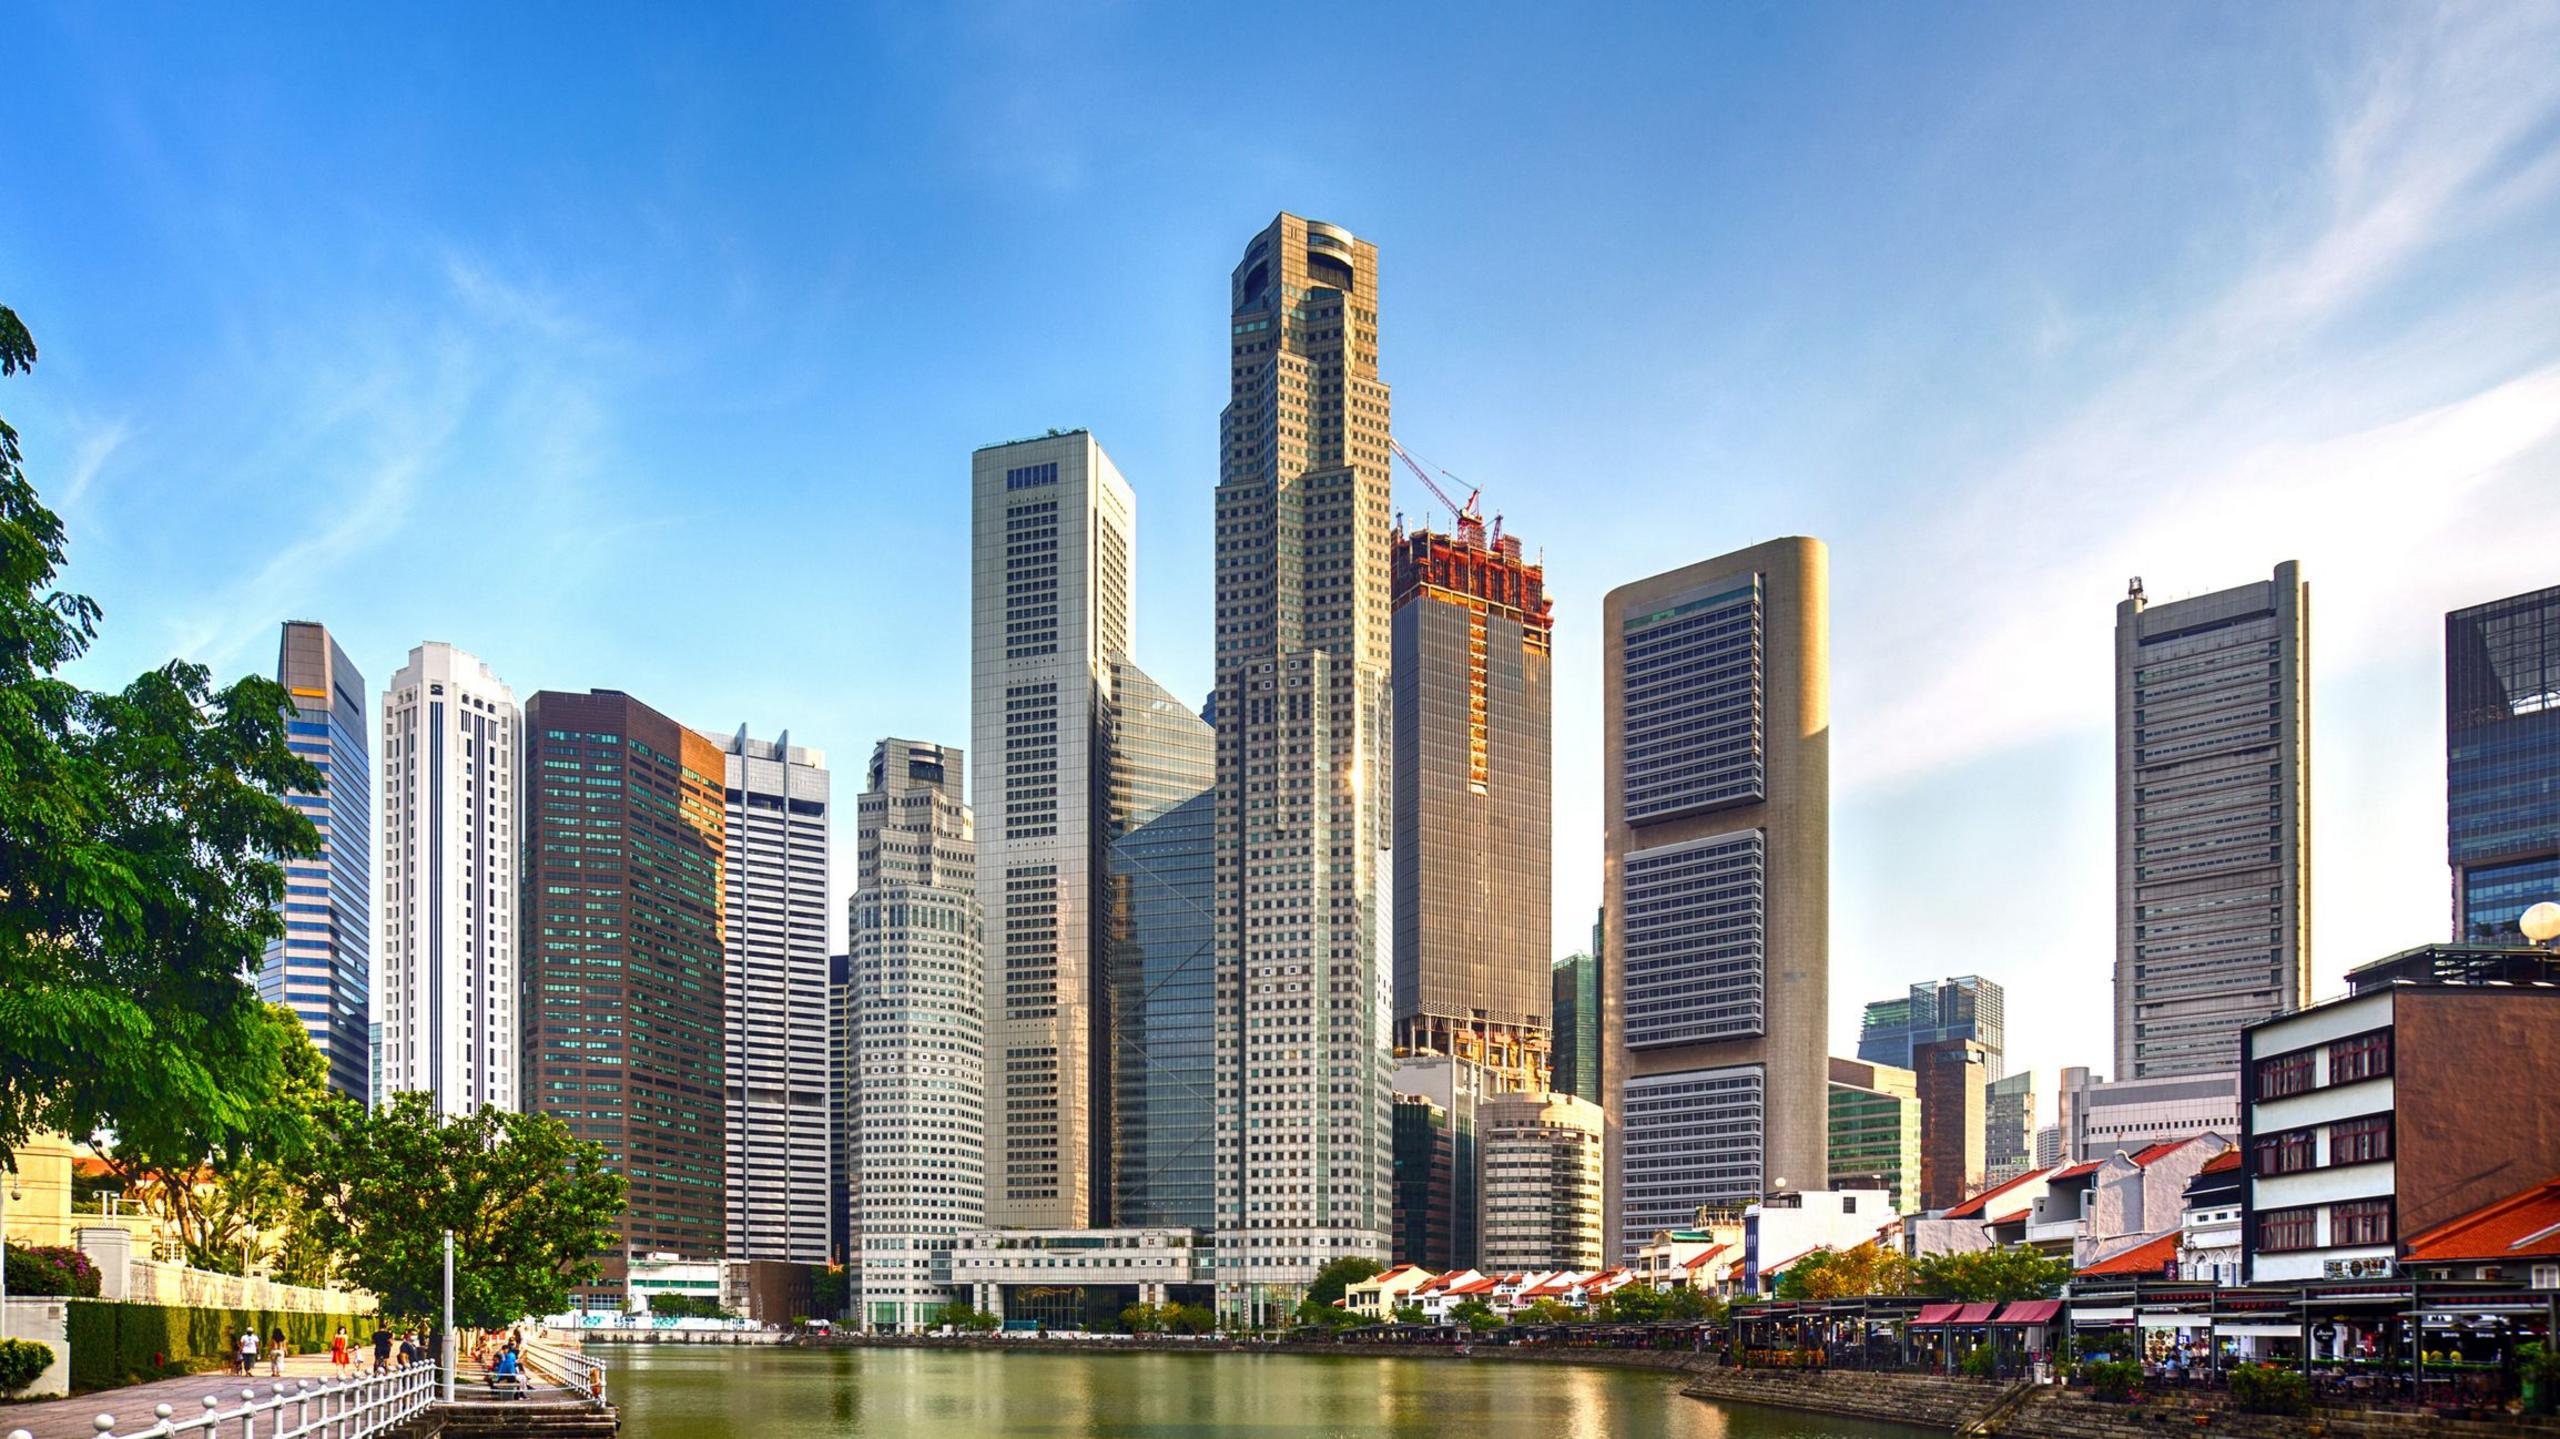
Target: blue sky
[{"x": 644, "y": 347}]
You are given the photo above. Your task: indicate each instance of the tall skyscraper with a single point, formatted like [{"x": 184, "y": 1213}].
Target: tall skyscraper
[
  {"x": 445, "y": 982},
  {"x": 2502, "y": 761},
  {"x": 1303, "y": 788},
  {"x": 1954, "y": 1077},
  {"x": 323, "y": 967},
  {"x": 1875, "y": 1130},
  {"x": 625, "y": 959},
  {"x": 1965, "y": 1006},
  {"x": 920, "y": 1018},
  {"x": 1055, "y": 538},
  {"x": 2009, "y": 1127},
  {"x": 1540, "y": 1195},
  {"x": 1162, "y": 951},
  {"x": 1473, "y": 634},
  {"x": 1575, "y": 1059},
  {"x": 841, "y": 1118},
  {"x": 1716, "y": 885},
  {"x": 775, "y": 1035},
  {"x": 2213, "y": 821}
]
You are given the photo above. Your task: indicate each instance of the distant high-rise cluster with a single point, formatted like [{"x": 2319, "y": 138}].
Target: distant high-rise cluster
[{"x": 1177, "y": 1006}]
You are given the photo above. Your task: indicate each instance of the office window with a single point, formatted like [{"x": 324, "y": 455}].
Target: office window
[
  {"x": 2360, "y": 1141},
  {"x": 2360, "y": 1221},
  {"x": 2288, "y": 1153},
  {"x": 2362, "y": 1056},
  {"x": 2283, "y": 1230},
  {"x": 2286, "y": 1074}
]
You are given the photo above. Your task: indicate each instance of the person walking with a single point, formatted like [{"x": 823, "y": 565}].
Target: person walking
[
  {"x": 276, "y": 1345},
  {"x": 249, "y": 1350},
  {"x": 338, "y": 1348},
  {"x": 381, "y": 1348}
]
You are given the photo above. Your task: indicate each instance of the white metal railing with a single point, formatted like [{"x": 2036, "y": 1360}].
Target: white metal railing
[
  {"x": 567, "y": 1368},
  {"x": 296, "y": 1409}
]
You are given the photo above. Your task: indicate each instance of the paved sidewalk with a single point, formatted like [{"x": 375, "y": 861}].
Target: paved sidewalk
[{"x": 132, "y": 1405}]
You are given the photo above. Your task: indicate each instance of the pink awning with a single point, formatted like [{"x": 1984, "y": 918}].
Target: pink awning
[
  {"x": 1974, "y": 1314},
  {"x": 2030, "y": 1311},
  {"x": 1933, "y": 1315}
]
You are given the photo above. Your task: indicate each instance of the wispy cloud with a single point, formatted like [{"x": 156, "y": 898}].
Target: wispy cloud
[{"x": 2282, "y": 419}]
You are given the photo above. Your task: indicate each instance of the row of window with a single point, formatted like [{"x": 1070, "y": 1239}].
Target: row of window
[
  {"x": 2356, "y": 1057},
  {"x": 2352, "y": 1223}
]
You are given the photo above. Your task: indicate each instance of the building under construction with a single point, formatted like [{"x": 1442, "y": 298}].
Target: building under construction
[{"x": 1473, "y": 630}]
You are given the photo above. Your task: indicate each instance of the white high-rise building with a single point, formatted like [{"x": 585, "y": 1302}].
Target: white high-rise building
[
  {"x": 1303, "y": 708},
  {"x": 1055, "y": 540},
  {"x": 444, "y": 984},
  {"x": 776, "y": 1067},
  {"x": 919, "y": 1017}
]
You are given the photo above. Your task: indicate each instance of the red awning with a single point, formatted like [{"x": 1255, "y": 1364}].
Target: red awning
[
  {"x": 2030, "y": 1311},
  {"x": 1933, "y": 1315},
  {"x": 1974, "y": 1314}
]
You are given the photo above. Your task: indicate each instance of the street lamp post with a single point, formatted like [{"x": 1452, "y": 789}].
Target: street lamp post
[{"x": 447, "y": 1343}]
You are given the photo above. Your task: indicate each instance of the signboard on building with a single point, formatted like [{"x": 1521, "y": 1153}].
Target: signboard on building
[{"x": 2378, "y": 1266}]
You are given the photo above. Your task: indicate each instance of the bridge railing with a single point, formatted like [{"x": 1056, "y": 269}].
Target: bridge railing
[
  {"x": 354, "y": 1408},
  {"x": 568, "y": 1368}
]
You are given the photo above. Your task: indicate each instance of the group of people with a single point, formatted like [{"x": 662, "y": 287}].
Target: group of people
[
  {"x": 245, "y": 1349},
  {"x": 391, "y": 1350}
]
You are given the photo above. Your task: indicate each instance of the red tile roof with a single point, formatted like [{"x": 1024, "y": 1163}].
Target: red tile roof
[
  {"x": 2222, "y": 1163},
  {"x": 2522, "y": 1225},
  {"x": 2161, "y": 1151},
  {"x": 1703, "y": 1255},
  {"x": 2010, "y": 1218},
  {"x": 1974, "y": 1206},
  {"x": 2148, "y": 1257},
  {"x": 2074, "y": 1171}
]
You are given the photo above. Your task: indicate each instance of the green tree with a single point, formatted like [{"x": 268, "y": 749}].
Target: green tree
[
  {"x": 1850, "y": 1273},
  {"x": 1339, "y": 1275},
  {"x": 1548, "y": 1311},
  {"x": 1685, "y": 1305},
  {"x": 228, "y": 1188},
  {"x": 968, "y": 1320},
  {"x": 1984, "y": 1275},
  {"x": 671, "y": 1306},
  {"x": 1474, "y": 1313},
  {"x": 1411, "y": 1314},
  {"x": 1143, "y": 1318},
  {"x": 1629, "y": 1304},
  {"x": 530, "y": 1207},
  {"x": 141, "y": 840}
]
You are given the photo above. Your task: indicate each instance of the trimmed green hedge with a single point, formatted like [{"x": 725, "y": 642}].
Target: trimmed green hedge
[{"x": 114, "y": 1344}]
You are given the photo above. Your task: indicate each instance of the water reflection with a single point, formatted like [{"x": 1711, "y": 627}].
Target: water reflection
[{"x": 691, "y": 1393}]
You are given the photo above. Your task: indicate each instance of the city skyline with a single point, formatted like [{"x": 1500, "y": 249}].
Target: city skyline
[{"x": 533, "y": 370}]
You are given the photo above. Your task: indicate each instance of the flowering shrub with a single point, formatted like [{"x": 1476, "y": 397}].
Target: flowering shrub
[{"x": 52, "y": 1269}]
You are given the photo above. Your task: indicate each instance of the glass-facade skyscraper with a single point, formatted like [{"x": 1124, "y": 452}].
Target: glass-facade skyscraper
[
  {"x": 1576, "y": 983},
  {"x": 1160, "y": 942},
  {"x": 322, "y": 968},
  {"x": 1962, "y": 1007},
  {"x": 2502, "y": 761}
]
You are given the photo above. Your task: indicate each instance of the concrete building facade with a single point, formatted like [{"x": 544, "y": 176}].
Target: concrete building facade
[
  {"x": 1540, "y": 1184},
  {"x": 1473, "y": 639},
  {"x": 445, "y": 988},
  {"x": 2502, "y": 761},
  {"x": 323, "y": 966},
  {"x": 1716, "y": 886},
  {"x": 920, "y": 1023},
  {"x": 778, "y": 1065},
  {"x": 1054, "y": 541},
  {"x": 1304, "y": 787},
  {"x": 2213, "y": 821},
  {"x": 625, "y": 960},
  {"x": 2096, "y": 1117}
]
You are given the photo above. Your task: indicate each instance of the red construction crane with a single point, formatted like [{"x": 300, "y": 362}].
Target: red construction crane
[{"x": 1465, "y": 516}]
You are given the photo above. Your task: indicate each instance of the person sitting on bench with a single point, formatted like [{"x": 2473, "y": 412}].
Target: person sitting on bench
[{"x": 508, "y": 1374}]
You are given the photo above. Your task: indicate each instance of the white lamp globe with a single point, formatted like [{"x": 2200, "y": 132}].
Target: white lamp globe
[{"x": 2541, "y": 924}]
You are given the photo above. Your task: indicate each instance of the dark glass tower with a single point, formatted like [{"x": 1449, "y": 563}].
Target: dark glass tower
[
  {"x": 626, "y": 825},
  {"x": 2502, "y": 761},
  {"x": 1161, "y": 957},
  {"x": 322, "y": 968}
]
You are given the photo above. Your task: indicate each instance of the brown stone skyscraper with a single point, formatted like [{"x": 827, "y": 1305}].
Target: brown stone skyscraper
[
  {"x": 1303, "y": 790},
  {"x": 625, "y": 826},
  {"x": 1716, "y": 885},
  {"x": 1474, "y": 785}
]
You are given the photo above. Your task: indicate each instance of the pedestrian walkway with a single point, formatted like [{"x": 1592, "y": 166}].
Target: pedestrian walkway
[{"x": 132, "y": 1405}]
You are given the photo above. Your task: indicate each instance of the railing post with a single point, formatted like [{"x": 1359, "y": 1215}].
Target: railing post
[
  {"x": 104, "y": 1424},
  {"x": 248, "y": 1414},
  {"x": 161, "y": 1412},
  {"x": 211, "y": 1422}
]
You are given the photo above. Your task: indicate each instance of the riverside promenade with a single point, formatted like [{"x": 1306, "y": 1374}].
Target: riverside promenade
[{"x": 133, "y": 1405}]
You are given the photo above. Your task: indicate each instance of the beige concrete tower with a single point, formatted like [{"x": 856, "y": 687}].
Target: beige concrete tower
[
  {"x": 1303, "y": 789},
  {"x": 2213, "y": 821},
  {"x": 1716, "y": 886},
  {"x": 1055, "y": 541}
]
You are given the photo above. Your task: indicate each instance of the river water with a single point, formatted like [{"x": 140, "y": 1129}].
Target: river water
[{"x": 684, "y": 1392}]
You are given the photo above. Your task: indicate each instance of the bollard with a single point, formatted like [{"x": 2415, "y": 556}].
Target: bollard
[
  {"x": 248, "y": 1414},
  {"x": 211, "y": 1423},
  {"x": 104, "y": 1423}
]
